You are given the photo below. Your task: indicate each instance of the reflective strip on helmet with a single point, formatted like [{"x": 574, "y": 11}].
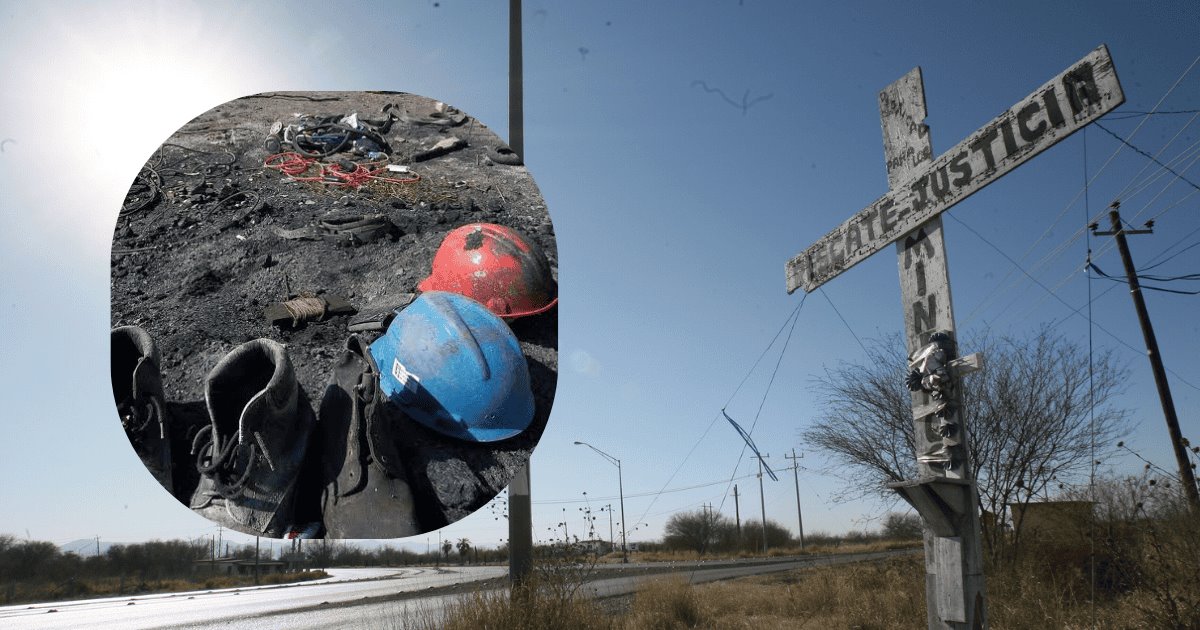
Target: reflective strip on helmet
[{"x": 409, "y": 380}]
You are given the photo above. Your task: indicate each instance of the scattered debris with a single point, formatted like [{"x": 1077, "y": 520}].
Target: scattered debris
[
  {"x": 441, "y": 114},
  {"x": 307, "y": 307},
  {"x": 444, "y": 146},
  {"x": 321, "y": 136},
  {"x": 378, "y": 315},
  {"x": 505, "y": 155},
  {"x": 344, "y": 232}
]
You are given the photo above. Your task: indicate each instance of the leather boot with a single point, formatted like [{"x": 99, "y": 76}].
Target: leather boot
[
  {"x": 138, "y": 392},
  {"x": 366, "y": 494},
  {"x": 250, "y": 455}
]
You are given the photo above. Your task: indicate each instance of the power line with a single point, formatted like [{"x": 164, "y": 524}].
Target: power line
[
  {"x": 794, "y": 314},
  {"x": 1074, "y": 311},
  {"x": 847, "y": 324},
  {"x": 1142, "y": 286},
  {"x": 1134, "y": 113},
  {"x": 1147, "y": 155},
  {"x": 763, "y": 401},
  {"x": 1071, "y": 203},
  {"x": 1192, "y": 152},
  {"x": 639, "y": 494}
]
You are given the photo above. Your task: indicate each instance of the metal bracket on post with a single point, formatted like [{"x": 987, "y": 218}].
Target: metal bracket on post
[{"x": 941, "y": 501}]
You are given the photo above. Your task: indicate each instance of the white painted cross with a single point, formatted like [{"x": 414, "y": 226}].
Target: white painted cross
[{"x": 920, "y": 189}]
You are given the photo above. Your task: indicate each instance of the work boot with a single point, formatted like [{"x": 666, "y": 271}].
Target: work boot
[
  {"x": 366, "y": 488},
  {"x": 138, "y": 392},
  {"x": 251, "y": 453}
]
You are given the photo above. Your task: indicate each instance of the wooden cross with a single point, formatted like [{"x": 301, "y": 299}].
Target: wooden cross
[{"x": 920, "y": 189}]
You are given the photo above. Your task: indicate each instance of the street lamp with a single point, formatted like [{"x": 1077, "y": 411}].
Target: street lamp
[{"x": 621, "y": 488}]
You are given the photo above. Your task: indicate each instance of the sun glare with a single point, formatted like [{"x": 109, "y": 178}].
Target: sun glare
[{"x": 121, "y": 86}]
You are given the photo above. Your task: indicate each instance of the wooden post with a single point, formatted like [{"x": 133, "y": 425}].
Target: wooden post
[{"x": 954, "y": 584}]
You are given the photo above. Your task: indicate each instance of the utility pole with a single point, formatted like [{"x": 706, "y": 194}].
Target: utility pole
[
  {"x": 737, "y": 514},
  {"x": 1156, "y": 365},
  {"x": 612, "y": 542},
  {"x": 762, "y": 501},
  {"x": 520, "y": 511},
  {"x": 97, "y": 546},
  {"x": 708, "y": 529},
  {"x": 796, "y": 474},
  {"x": 256, "y": 560}
]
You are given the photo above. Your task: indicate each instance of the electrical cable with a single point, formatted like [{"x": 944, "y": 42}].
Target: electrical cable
[
  {"x": 844, "y": 322},
  {"x": 1192, "y": 152},
  {"x": 794, "y": 313},
  {"x": 638, "y": 495},
  {"x": 763, "y": 401},
  {"x": 1104, "y": 249},
  {"x": 1169, "y": 258},
  {"x": 1147, "y": 155},
  {"x": 146, "y": 190},
  {"x": 1134, "y": 113},
  {"x": 1141, "y": 286},
  {"x": 1077, "y": 195},
  {"x": 1143, "y": 121},
  {"x": 1074, "y": 311},
  {"x": 1063, "y": 248}
]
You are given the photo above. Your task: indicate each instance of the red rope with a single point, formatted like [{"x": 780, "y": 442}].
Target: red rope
[{"x": 296, "y": 165}]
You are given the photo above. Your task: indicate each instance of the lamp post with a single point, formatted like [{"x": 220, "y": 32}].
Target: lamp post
[{"x": 621, "y": 489}]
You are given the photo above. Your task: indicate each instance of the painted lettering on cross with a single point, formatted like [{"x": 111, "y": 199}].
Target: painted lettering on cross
[
  {"x": 1084, "y": 92},
  {"x": 918, "y": 252}
]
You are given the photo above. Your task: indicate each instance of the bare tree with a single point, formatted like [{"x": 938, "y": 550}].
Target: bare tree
[
  {"x": 697, "y": 531},
  {"x": 1033, "y": 415},
  {"x": 901, "y": 526}
]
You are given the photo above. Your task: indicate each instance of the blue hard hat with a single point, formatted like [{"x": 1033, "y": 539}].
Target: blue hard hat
[{"x": 449, "y": 363}]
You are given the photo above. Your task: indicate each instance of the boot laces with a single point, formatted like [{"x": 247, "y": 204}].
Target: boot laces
[
  {"x": 219, "y": 460},
  {"x": 140, "y": 414}
]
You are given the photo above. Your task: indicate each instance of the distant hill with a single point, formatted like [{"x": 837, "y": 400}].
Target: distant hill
[{"x": 85, "y": 547}]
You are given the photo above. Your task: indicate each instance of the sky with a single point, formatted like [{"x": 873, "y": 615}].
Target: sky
[{"x": 686, "y": 151}]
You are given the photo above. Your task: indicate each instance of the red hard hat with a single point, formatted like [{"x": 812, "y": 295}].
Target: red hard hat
[{"x": 495, "y": 266}]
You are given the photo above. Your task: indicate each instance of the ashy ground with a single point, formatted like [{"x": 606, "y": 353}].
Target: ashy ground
[{"x": 196, "y": 259}]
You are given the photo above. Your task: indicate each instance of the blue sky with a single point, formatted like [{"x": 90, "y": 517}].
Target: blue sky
[{"x": 675, "y": 210}]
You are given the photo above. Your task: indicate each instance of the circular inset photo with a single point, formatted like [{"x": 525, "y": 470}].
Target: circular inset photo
[{"x": 334, "y": 314}]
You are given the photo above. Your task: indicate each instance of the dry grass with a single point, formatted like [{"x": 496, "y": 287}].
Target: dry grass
[
  {"x": 541, "y": 605},
  {"x": 825, "y": 549},
  {"x": 866, "y": 596},
  {"x": 881, "y": 595},
  {"x": 1147, "y": 579}
]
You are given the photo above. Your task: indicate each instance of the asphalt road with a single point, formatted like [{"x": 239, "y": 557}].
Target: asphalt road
[{"x": 357, "y": 598}]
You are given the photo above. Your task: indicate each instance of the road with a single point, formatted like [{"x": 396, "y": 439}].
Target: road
[
  {"x": 241, "y": 607},
  {"x": 355, "y": 598}
]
